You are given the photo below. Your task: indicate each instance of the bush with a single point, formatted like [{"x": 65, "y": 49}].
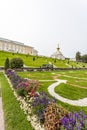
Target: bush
[
  {"x": 34, "y": 59},
  {"x": 16, "y": 63},
  {"x": 54, "y": 60},
  {"x": 7, "y": 65}
]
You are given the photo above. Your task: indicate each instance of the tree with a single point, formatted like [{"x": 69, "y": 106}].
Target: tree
[
  {"x": 54, "y": 60},
  {"x": 13, "y": 53},
  {"x": 68, "y": 61},
  {"x": 33, "y": 58},
  {"x": 78, "y": 56},
  {"x": 6, "y": 64},
  {"x": 16, "y": 63},
  {"x": 84, "y": 58}
]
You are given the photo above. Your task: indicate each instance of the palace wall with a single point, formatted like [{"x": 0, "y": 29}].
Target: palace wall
[{"x": 16, "y": 47}]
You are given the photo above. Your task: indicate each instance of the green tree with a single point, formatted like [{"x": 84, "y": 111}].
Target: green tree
[
  {"x": 33, "y": 58},
  {"x": 84, "y": 58},
  {"x": 7, "y": 65},
  {"x": 54, "y": 60},
  {"x": 68, "y": 61},
  {"x": 78, "y": 56},
  {"x": 16, "y": 63}
]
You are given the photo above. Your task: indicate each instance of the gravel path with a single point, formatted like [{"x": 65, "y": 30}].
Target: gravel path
[
  {"x": 1, "y": 116},
  {"x": 80, "y": 102},
  {"x": 1, "y": 112}
]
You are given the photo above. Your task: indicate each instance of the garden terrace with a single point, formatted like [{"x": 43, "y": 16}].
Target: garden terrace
[
  {"x": 38, "y": 61},
  {"x": 47, "y": 78}
]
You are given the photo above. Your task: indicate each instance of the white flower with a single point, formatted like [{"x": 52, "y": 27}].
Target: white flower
[{"x": 27, "y": 108}]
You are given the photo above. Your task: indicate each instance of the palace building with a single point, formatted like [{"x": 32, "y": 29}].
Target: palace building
[
  {"x": 16, "y": 47},
  {"x": 58, "y": 54}
]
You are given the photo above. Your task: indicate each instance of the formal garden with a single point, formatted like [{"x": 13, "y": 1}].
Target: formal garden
[
  {"x": 28, "y": 105},
  {"x": 38, "y": 61}
]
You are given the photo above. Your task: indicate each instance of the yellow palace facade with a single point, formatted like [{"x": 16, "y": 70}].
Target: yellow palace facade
[{"x": 16, "y": 47}]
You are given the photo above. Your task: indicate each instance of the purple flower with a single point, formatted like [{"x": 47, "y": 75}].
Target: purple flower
[
  {"x": 40, "y": 103},
  {"x": 75, "y": 121}
]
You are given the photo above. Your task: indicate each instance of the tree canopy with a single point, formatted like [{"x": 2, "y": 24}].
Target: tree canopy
[{"x": 78, "y": 56}]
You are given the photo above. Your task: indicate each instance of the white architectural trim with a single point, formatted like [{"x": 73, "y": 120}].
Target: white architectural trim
[{"x": 16, "y": 47}]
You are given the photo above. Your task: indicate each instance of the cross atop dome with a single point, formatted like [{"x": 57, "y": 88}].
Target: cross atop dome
[
  {"x": 58, "y": 47},
  {"x": 58, "y": 54}
]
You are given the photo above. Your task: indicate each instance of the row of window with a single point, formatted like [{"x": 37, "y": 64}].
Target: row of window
[{"x": 13, "y": 48}]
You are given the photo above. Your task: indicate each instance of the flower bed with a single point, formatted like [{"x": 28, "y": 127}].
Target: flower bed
[
  {"x": 75, "y": 121},
  {"x": 42, "y": 112}
]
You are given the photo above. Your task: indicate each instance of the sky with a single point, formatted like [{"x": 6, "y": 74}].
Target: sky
[{"x": 44, "y": 24}]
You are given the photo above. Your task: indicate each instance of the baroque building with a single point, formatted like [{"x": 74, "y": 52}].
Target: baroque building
[
  {"x": 58, "y": 54},
  {"x": 16, "y": 47}
]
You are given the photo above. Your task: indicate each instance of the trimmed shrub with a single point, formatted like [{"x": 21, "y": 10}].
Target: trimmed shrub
[
  {"x": 54, "y": 60},
  {"x": 7, "y": 65},
  {"x": 16, "y": 63},
  {"x": 34, "y": 59}
]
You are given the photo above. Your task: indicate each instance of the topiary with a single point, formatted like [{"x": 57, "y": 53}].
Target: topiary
[
  {"x": 53, "y": 114},
  {"x": 7, "y": 65},
  {"x": 16, "y": 63},
  {"x": 34, "y": 59}
]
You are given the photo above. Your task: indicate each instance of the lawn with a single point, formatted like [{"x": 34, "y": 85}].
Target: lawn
[
  {"x": 13, "y": 115},
  {"x": 78, "y": 78},
  {"x": 39, "y": 61},
  {"x": 43, "y": 86},
  {"x": 76, "y": 73},
  {"x": 71, "y": 92},
  {"x": 37, "y": 75}
]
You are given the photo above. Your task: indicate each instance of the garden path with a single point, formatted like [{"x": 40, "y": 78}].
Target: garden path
[
  {"x": 80, "y": 102},
  {"x": 1, "y": 113},
  {"x": 1, "y": 116}
]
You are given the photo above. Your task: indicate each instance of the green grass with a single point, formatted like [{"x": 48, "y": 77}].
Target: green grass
[
  {"x": 36, "y": 75},
  {"x": 28, "y": 60},
  {"x": 13, "y": 115},
  {"x": 73, "y": 79},
  {"x": 76, "y": 77},
  {"x": 75, "y": 73},
  {"x": 71, "y": 92},
  {"x": 43, "y": 86}
]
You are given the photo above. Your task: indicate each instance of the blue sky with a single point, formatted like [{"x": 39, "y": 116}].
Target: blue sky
[{"x": 44, "y": 24}]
